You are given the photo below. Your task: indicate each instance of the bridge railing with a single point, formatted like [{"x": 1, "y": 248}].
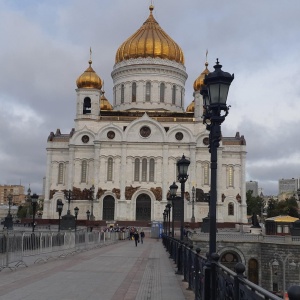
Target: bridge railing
[
  {"x": 199, "y": 272},
  {"x": 18, "y": 248}
]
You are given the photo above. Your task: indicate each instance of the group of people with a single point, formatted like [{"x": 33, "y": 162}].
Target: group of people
[{"x": 136, "y": 236}]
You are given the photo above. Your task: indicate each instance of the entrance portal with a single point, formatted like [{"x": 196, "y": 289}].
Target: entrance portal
[
  {"x": 143, "y": 208},
  {"x": 108, "y": 208}
]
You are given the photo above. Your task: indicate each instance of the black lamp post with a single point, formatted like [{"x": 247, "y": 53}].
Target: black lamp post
[
  {"x": 173, "y": 192},
  {"x": 8, "y": 222},
  {"x": 169, "y": 208},
  {"x": 88, "y": 213},
  {"x": 76, "y": 210},
  {"x": 215, "y": 111},
  {"x": 182, "y": 165},
  {"x": 59, "y": 208},
  {"x": 165, "y": 216},
  {"x": 193, "y": 205},
  {"x": 92, "y": 196},
  {"x": 69, "y": 197},
  {"x": 34, "y": 202}
]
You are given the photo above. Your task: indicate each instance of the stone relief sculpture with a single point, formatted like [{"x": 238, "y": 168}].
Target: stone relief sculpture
[
  {"x": 129, "y": 191},
  {"x": 157, "y": 193},
  {"x": 117, "y": 193}
]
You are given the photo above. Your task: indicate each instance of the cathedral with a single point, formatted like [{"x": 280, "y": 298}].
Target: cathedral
[{"x": 127, "y": 149}]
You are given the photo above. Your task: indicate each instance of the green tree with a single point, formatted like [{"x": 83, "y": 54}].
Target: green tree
[
  {"x": 255, "y": 205},
  {"x": 289, "y": 207},
  {"x": 272, "y": 209}
]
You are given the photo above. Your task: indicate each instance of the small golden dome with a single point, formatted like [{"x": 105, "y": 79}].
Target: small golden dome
[
  {"x": 199, "y": 82},
  {"x": 104, "y": 103},
  {"x": 191, "y": 107},
  {"x": 89, "y": 79},
  {"x": 150, "y": 41}
]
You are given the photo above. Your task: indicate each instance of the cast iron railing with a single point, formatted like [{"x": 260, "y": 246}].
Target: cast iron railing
[{"x": 198, "y": 272}]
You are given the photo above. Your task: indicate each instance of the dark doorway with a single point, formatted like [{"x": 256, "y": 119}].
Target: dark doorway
[
  {"x": 253, "y": 270},
  {"x": 108, "y": 208},
  {"x": 143, "y": 208}
]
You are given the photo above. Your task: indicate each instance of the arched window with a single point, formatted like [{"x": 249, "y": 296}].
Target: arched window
[
  {"x": 133, "y": 92},
  {"x": 230, "y": 209},
  {"x": 60, "y": 177},
  {"x": 230, "y": 176},
  {"x": 86, "y": 105},
  {"x": 148, "y": 91},
  {"x": 122, "y": 93},
  {"x": 174, "y": 94},
  {"x": 162, "y": 92},
  {"x": 136, "y": 169},
  {"x": 206, "y": 174},
  {"x": 144, "y": 169},
  {"x": 109, "y": 169},
  {"x": 83, "y": 170},
  {"x": 151, "y": 170}
]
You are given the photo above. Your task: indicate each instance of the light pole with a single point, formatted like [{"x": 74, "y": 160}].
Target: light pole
[
  {"x": 92, "y": 196},
  {"x": 69, "y": 197},
  {"x": 193, "y": 205},
  {"x": 164, "y": 215},
  {"x": 59, "y": 208},
  {"x": 34, "y": 202},
  {"x": 173, "y": 192},
  {"x": 76, "y": 210},
  {"x": 88, "y": 214},
  {"x": 283, "y": 260},
  {"x": 8, "y": 222},
  {"x": 215, "y": 111},
  {"x": 182, "y": 165}
]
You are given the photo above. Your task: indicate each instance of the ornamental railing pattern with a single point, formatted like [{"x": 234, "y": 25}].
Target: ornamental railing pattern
[{"x": 199, "y": 272}]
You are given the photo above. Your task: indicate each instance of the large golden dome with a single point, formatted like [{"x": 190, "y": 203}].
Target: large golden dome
[
  {"x": 150, "y": 41},
  {"x": 199, "y": 82},
  {"x": 89, "y": 79}
]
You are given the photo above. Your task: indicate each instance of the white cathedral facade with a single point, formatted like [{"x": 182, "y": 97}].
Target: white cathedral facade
[{"x": 129, "y": 150}]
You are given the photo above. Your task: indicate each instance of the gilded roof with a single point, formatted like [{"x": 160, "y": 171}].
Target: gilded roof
[
  {"x": 191, "y": 107},
  {"x": 150, "y": 41},
  {"x": 104, "y": 103},
  {"x": 286, "y": 219},
  {"x": 89, "y": 79},
  {"x": 199, "y": 82}
]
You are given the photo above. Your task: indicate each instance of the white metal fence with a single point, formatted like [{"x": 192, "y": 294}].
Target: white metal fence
[{"x": 22, "y": 248}]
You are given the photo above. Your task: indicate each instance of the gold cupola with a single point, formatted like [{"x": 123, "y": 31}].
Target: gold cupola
[
  {"x": 150, "y": 41},
  {"x": 191, "y": 107},
  {"x": 104, "y": 103},
  {"x": 89, "y": 79},
  {"x": 199, "y": 82}
]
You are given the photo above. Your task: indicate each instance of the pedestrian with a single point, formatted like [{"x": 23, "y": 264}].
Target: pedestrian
[
  {"x": 142, "y": 234},
  {"x": 136, "y": 238}
]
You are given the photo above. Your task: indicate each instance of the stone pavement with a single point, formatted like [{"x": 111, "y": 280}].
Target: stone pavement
[{"x": 114, "y": 272}]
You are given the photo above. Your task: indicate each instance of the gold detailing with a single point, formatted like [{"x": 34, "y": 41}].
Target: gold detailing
[
  {"x": 89, "y": 79},
  {"x": 104, "y": 103},
  {"x": 150, "y": 41},
  {"x": 199, "y": 82},
  {"x": 191, "y": 107}
]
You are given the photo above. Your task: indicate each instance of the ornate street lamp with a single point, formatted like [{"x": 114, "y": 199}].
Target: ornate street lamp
[
  {"x": 59, "y": 208},
  {"x": 168, "y": 209},
  {"x": 8, "y": 222},
  {"x": 92, "y": 196},
  {"x": 164, "y": 225},
  {"x": 69, "y": 197},
  {"x": 193, "y": 205},
  {"x": 215, "y": 112},
  {"x": 182, "y": 165},
  {"x": 34, "y": 203},
  {"x": 76, "y": 210},
  {"x": 173, "y": 193},
  {"x": 88, "y": 213}
]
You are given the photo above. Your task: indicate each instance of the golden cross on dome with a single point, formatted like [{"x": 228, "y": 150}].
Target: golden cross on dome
[{"x": 90, "y": 53}]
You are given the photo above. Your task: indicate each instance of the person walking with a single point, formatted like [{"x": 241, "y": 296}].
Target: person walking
[
  {"x": 142, "y": 234},
  {"x": 136, "y": 237}
]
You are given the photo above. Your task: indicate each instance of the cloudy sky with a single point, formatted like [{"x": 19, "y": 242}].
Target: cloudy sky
[{"x": 45, "y": 47}]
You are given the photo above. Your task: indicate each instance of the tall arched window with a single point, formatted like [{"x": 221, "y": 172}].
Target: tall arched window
[
  {"x": 144, "y": 169},
  {"x": 206, "y": 174},
  {"x": 162, "y": 92},
  {"x": 136, "y": 169},
  {"x": 83, "y": 170},
  {"x": 86, "y": 105},
  {"x": 109, "y": 169},
  {"x": 230, "y": 176},
  {"x": 60, "y": 177},
  {"x": 151, "y": 170},
  {"x": 174, "y": 94},
  {"x": 122, "y": 93},
  {"x": 133, "y": 92},
  {"x": 230, "y": 209},
  {"x": 148, "y": 91}
]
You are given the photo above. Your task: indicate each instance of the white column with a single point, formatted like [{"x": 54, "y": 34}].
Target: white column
[
  {"x": 46, "y": 209},
  {"x": 123, "y": 171},
  {"x": 70, "y": 181},
  {"x": 165, "y": 175},
  {"x": 243, "y": 205}
]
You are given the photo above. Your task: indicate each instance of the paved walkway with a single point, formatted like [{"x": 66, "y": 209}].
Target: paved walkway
[{"x": 113, "y": 272}]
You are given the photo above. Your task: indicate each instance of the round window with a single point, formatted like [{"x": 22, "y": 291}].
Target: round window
[
  {"x": 179, "y": 136},
  {"x": 145, "y": 131},
  {"x": 206, "y": 141},
  {"x": 111, "y": 135},
  {"x": 85, "y": 139}
]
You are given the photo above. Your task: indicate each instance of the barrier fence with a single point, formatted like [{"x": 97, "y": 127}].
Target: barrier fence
[
  {"x": 199, "y": 272},
  {"x": 17, "y": 248}
]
